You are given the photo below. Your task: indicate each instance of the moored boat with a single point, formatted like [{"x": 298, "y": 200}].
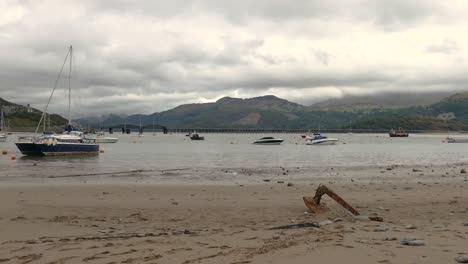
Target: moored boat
[
  {"x": 195, "y": 136},
  {"x": 456, "y": 140},
  {"x": 100, "y": 137},
  {"x": 3, "y": 135},
  {"x": 398, "y": 133},
  {"x": 268, "y": 141},
  {"x": 71, "y": 142},
  {"x": 318, "y": 139}
]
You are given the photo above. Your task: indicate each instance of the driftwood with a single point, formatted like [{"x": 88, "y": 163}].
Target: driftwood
[
  {"x": 313, "y": 203},
  {"x": 302, "y": 225}
]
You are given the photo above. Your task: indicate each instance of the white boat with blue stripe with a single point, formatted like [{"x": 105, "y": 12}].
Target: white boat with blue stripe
[{"x": 318, "y": 139}]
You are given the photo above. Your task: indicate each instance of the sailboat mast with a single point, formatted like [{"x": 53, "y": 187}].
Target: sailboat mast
[{"x": 69, "y": 86}]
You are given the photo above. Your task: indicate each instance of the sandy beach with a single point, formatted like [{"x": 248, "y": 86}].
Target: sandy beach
[{"x": 232, "y": 223}]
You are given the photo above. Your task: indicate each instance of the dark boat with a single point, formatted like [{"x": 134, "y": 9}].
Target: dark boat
[
  {"x": 268, "y": 141},
  {"x": 195, "y": 136},
  {"x": 398, "y": 133}
]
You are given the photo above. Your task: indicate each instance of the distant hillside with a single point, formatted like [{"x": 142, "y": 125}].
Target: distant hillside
[
  {"x": 386, "y": 100},
  {"x": 449, "y": 113},
  {"x": 18, "y": 116}
]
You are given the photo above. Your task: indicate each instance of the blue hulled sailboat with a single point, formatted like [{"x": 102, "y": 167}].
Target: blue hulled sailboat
[{"x": 70, "y": 142}]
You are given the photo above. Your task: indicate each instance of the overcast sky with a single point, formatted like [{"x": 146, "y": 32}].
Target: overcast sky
[{"x": 140, "y": 56}]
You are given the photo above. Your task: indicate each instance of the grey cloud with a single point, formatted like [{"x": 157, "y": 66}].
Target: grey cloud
[
  {"x": 146, "y": 56},
  {"x": 446, "y": 46}
]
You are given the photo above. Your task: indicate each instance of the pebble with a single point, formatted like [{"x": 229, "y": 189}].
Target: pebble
[
  {"x": 465, "y": 224},
  {"x": 276, "y": 236},
  {"x": 280, "y": 181},
  {"x": 390, "y": 238},
  {"x": 382, "y": 229},
  {"x": 338, "y": 219},
  {"x": 327, "y": 222},
  {"x": 463, "y": 171},
  {"x": 462, "y": 259},
  {"x": 361, "y": 218},
  {"x": 290, "y": 184},
  {"x": 412, "y": 242},
  {"x": 410, "y": 226}
]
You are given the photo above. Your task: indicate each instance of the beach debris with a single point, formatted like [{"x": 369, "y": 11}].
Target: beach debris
[
  {"x": 294, "y": 226},
  {"x": 417, "y": 170},
  {"x": 462, "y": 259},
  {"x": 465, "y": 224},
  {"x": 13, "y": 156},
  {"x": 382, "y": 229},
  {"x": 462, "y": 171},
  {"x": 313, "y": 203},
  {"x": 280, "y": 182},
  {"x": 276, "y": 236},
  {"x": 4, "y": 151},
  {"x": 412, "y": 241},
  {"x": 410, "y": 226}
]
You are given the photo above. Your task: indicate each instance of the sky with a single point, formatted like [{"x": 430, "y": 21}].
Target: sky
[{"x": 140, "y": 56}]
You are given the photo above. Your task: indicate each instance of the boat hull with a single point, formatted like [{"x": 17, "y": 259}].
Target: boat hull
[
  {"x": 328, "y": 141},
  {"x": 268, "y": 142},
  {"x": 398, "y": 135},
  {"x": 107, "y": 140},
  {"x": 59, "y": 149},
  {"x": 457, "y": 140}
]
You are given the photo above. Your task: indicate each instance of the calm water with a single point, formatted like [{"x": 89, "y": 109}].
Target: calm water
[{"x": 158, "y": 152}]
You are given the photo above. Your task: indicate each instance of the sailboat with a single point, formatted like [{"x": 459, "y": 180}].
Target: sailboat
[
  {"x": 140, "y": 130},
  {"x": 3, "y": 135},
  {"x": 70, "y": 142}
]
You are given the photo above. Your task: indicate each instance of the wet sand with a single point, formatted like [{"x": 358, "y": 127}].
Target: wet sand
[{"x": 231, "y": 223}]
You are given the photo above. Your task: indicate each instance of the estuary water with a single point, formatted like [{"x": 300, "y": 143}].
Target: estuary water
[{"x": 217, "y": 151}]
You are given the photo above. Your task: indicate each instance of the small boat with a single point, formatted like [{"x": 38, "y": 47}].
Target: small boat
[
  {"x": 195, "y": 136},
  {"x": 318, "y": 139},
  {"x": 71, "y": 142},
  {"x": 3, "y": 135},
  {"x": 268, "y": 141},
  {"x": 102, "y": 138},
  {"x": 398, "y": 133},
  {"x": 456, "y": 140}
]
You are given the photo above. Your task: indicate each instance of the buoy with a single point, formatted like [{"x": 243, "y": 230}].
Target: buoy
[
  {"x": 4, "y": 152},
  {"x": 13, "y": 156},
  {"x": 101, "y": 150}
]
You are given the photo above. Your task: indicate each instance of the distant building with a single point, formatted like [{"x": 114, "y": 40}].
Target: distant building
[
  {"x": 9, "y": 109},
  {"x": 28, "y": 108}
]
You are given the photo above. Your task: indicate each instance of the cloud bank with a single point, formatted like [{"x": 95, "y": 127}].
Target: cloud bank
[{"x": 148, "y": 56}]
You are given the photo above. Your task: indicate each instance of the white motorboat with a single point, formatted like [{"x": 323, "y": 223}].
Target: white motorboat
[
  {"x": 318, "y": 139},
  {"x": 268, "y": 141},
  {"x": 102, "y": 138},
  {"x": 456, "y": 140},
  {"x": 3, "y": 135}
]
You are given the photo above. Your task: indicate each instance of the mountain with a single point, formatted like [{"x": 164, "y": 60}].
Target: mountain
[
  {"x": 449, "y": 113},
  {"x": 385, "y": 100},
  {"x": 264, "y": 112},
  {"x": 24, "y": 117}
]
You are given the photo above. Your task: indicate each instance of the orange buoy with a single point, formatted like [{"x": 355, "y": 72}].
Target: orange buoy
[
  {"x": 13, "y": 156},
  {"x": 4, "y": 152},
  {"x": 101, "y": 150}
]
